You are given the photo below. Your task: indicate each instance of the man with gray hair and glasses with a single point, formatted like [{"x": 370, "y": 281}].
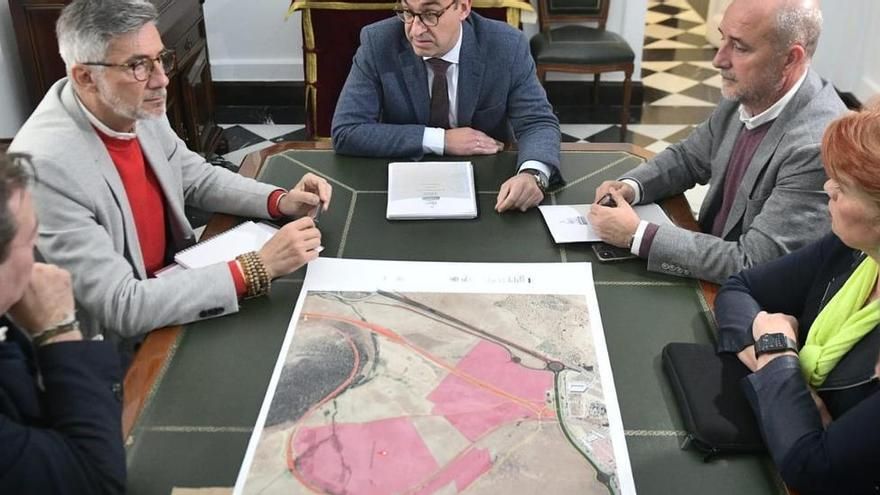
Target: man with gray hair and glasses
[
  {"x": 759, "y": 152},
  {"x": 60, "y": 395},
  {"x": 115, "y": 179}
]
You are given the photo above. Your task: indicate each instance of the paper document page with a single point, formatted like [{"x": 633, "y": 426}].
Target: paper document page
[
  {"x": 426, "y": 190},
  {"x": 568, "y": 223},
  {"x": 247, "y": 236},
  {"x": 414, "y": 377}
]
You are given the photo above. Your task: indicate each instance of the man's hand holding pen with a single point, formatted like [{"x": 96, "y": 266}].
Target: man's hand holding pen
[
  {"x": 310, "y": 194},
  {"x": 611, "y": 216}
]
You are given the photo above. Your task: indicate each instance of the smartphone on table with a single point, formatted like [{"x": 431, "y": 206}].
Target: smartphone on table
[{"x": 607, "y": 252}]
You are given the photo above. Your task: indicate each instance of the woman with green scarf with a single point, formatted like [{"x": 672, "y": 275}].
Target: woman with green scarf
[{"x": 807, "y": 324}]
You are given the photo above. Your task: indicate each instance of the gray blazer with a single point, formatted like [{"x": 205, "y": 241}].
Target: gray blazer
[
  {"x": 384, "y": 105},
  {"x": 86, "y": 224},
  {"x": 780, "y": 205}
]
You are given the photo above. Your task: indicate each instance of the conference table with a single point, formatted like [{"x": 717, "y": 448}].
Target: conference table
[{"x": 194, "y": 392}]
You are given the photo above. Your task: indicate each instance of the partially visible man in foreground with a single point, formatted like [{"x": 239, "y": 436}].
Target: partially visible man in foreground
[{"x": 60, "y": 395}]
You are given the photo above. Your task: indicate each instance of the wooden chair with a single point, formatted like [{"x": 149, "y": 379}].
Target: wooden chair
[{"x": 579, "y": 49}]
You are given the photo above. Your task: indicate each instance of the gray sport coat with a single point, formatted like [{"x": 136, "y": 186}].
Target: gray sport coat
[
  {"x": 86, "y": 223},
  {"x": 780, "y": 204},
  {"x": 384, "y": 105}
]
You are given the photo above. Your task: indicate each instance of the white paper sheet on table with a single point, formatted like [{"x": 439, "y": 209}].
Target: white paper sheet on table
[{"x": 568, "y": 223}]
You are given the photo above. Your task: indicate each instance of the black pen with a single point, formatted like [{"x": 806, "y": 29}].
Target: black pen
[{"x": 607, "y": 200}]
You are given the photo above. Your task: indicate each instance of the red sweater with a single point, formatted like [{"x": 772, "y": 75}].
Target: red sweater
[{"x": 148, "y": 205}]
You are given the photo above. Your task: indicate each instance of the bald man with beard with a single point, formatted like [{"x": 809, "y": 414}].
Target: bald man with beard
[{"x": 758, "y": 151}]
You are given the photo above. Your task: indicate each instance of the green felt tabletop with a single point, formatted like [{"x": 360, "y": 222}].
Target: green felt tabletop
[{"x": 195, "y": 427}]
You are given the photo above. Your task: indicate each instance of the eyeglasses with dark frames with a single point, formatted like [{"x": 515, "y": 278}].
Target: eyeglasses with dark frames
[
  {"x": 143, "y": 68},
  {"x": 429, "y": 18}
]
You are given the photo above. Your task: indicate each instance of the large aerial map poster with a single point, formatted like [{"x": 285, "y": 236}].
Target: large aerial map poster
[{"x": 441, "y": 378}]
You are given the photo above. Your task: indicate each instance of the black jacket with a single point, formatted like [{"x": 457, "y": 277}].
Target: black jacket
[
  {"x": 845, "y": 457},
  {"x": 66, "y": 436}
]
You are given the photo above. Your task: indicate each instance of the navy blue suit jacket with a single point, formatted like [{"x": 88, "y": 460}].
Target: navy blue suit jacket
[
  {"x": 384, "y": 105},
  {"x": 67, "y": 436}
]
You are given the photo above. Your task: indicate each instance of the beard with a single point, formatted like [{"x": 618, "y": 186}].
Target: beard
[
  {"x": 758, "y": 92},
  {"x": 128, "y": 110}
]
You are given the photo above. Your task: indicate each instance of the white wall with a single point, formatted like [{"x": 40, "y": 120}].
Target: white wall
[
  {"x": 251, "y": 41},
  {"x": 13, "y": 97},
  {"x": 847, "y": 53},
  {"x": 270, "y": 48}
]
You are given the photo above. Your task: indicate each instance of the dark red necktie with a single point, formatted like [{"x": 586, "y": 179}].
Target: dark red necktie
[{"x": 439, "y": 94}]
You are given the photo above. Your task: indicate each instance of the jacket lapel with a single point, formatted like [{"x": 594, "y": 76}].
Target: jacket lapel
[
  {"x": 767, "y": 148},
  {"x": 171, "y": 187},
  {"x": 101, "y": 158},
  {"x": 415, "y": 80},
  {"x": 470, "y": 75}
]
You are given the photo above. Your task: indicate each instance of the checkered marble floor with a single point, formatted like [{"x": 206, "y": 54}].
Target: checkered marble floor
[{"x": 680, "y": 90}]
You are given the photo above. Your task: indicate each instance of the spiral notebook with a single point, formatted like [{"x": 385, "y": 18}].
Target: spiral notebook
[{"x": 246, "y": 236}]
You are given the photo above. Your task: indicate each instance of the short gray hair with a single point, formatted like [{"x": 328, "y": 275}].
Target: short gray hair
[
  {"x": 15, "y": 173},
  {"x": 797, "y": 23},
  {"x": 86, "y": 27}
]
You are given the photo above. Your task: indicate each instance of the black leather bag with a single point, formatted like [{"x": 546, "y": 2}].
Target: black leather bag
[{"x": 717, "y": 416}]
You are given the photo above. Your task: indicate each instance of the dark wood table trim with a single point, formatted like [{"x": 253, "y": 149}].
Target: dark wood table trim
[{"x": 158, "y": 347}]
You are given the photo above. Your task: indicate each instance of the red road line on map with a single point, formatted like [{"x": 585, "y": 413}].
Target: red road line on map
[{"x": 451, "y": 369}]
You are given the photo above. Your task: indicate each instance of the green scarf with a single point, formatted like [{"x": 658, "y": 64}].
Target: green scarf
[{"x": 841, "y": 324}]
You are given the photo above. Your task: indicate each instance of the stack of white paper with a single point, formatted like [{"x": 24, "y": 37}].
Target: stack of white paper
[
  {"x": 430, "y": 190},
  {"x": 568, "y": 223}
]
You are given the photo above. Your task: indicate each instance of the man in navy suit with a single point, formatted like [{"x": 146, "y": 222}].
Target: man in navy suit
[
  {"x": 60, "y": 396},
  {"x": 395, "y": 105}
]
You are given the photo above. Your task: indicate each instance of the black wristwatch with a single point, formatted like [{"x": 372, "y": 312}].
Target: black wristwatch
[
  {"x": 772, "y": 343},
  {"x": 540, "y": 178}
]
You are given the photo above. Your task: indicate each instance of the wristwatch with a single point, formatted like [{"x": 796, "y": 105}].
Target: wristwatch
[
  {"x": 772, "y": 343},
  {"x": 540, "y": 178}
]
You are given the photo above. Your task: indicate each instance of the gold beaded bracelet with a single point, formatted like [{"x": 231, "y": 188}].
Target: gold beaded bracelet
[{"x": 255, "y": 275}]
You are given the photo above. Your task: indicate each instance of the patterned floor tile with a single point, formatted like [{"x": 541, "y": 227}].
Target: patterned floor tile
[
  {"x": 679, "y": 23},
  {"x": 667, "y": 44},
  {"x": 238, "y": 137},
  {"x": 657, "y": 131},
  {"x": 714, "y": 81},
  {"x": 657, "y": 146},
  {"x": 690, "y": 15},
  {"x": 667, "y": 9},
  {"x": 692, "y": 71},
  {"x": 652, "y": 17},
  {"x": 612, "y": 135},
  {"x": 660, "y": 66},
  {"x": 662, "y": 32},
  {"x": 704, "y": 92},
  {"x": 668, "y": 82},
  {"x": 237, "y": 156},
  {"x": 680, "y": 100},
  {"x": 582, "y": 131},
  {"x": 682, "y": 134},
  {"x": 270, "y": 131}
]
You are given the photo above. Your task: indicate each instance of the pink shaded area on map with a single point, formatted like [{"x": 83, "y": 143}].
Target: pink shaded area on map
[
  {"x": 390, "y": 456},
  {"x": 386, "y": 456},
  {"x": 474, "y": 410},
  {"x": 463, "y": 471}
]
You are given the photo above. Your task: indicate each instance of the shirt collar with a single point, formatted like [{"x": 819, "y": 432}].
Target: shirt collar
[
  {"x": 775, "y": 109},
  {"x": 452, "y": 55},
  {"x": 102, "y": 128}
]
